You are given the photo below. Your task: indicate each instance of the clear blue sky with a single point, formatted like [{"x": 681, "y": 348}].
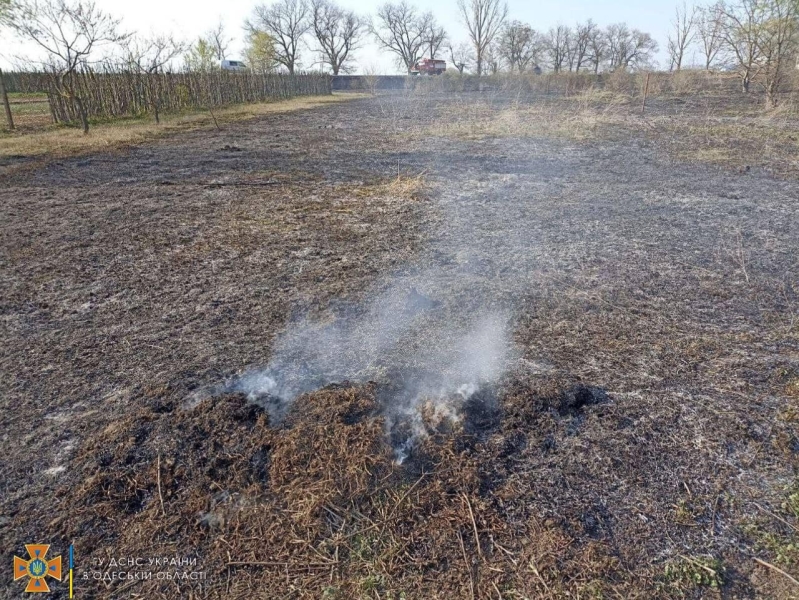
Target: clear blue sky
[{"x": 189, "y": 18}]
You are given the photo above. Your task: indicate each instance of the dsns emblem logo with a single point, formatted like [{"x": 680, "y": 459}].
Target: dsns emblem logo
[{"x": 37, "y": 567}]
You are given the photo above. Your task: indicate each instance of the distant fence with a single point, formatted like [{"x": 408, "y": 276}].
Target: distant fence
[
  {"x": 555, "y": 84},
  {"x": 343, "y": 83},
  {"x": 109, "y": 95},
  {"x": 26, "y": 83}
]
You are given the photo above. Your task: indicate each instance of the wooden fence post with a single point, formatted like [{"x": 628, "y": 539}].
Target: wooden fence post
[
  {"x": 646, "y": 91},
  {"x": 4, "y": 94}
]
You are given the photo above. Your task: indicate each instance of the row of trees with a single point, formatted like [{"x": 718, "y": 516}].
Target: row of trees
[
  {"x": 759, "y": 38},
  {"x": 278, "y": 34},
  {"x": 760, "y": 34},
  {"x": 410, "y": 34},
  {"x": 582, "y": 48},
  {"x": 73, "y": 33}
]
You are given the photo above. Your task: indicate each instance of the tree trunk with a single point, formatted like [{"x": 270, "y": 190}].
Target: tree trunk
[
  {"x": 84, "y": 118},
  {"x": 773, "y": 93},
  {"x": 4, "y": 98},
  {"x": 745, "y": 83}
]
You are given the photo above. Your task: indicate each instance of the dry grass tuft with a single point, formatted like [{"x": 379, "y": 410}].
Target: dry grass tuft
[
  {"x": 412, "y": 187},
  {"x": 536, "y": 120}
]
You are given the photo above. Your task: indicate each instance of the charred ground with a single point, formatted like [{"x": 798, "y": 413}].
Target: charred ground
[{"x": 642, "y": 443}]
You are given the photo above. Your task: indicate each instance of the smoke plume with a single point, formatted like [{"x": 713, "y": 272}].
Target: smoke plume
[{"x": 441, "y": 327}]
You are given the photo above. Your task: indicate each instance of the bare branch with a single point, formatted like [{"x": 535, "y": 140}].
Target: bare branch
[
  {"x": 219, "y": 40},
  {"x": 286, "y": 22},
  {"x": 460, "y": 56},
  {"x": 520, "y": 46},
  {"x": 682, "y": 34},
  {"x": 484, "y": 20},
  {"x": 434, "y": 37},
  {"x": 337, "y": 32},
  {"x": 401, "y": 30},
  {"x": 710, "y": 25},
  {"x": 152, "y": 53},
  {"x": 69, "y": 31}
]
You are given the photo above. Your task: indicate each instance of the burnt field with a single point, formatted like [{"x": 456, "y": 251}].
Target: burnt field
[{"x": 410, "y": 346}]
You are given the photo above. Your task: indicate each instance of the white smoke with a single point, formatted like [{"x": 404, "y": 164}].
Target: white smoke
[
  {"x": 435, "y": 335},
  {"x": 441, "y": 365}
]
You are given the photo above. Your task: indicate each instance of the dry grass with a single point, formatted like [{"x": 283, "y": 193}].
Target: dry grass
[
  {"x": 737, "y": 137},
  {"x": 30, "y": 112},
  {"x": 67, "y": 141},
  {"x": 537, "y": 120},
  {"x": 760, "y": 140},
  {"x": 410, "y": 187},
  {"x": 320, "y": 509},
  {"x": 647, "y": 495}
]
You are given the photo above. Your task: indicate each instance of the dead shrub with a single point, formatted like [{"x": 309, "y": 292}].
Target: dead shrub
[
  {"x": 688, "y": 81},
  {"x": 620, "y": 82}
]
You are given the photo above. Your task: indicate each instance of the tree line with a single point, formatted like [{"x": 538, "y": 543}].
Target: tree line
[
  {"x": 132, "y": 74},
  {"x": 759, "y": 39},
  {"x": 291, "y": 35},
  {"x": 757, "y": 36},
  {"x": 493, "y": 41}
]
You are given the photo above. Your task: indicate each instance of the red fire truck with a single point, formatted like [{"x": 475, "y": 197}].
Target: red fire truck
[{"x": 429, "y": 66}]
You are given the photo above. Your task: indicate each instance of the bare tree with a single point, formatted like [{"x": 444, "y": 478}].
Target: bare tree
[
  {"x": 557, "y": 42},
  {"x": 743, "y": 26},
  {"x": 709, "y": 28},
  {"x": 286, "y": 22},
  {"x": 153, "y": 53},
  {"x": 581, "y": 43},
  {"x": 484, "y": 20},
  {"x": 70, "y": 32},
  {"x": 519, "y": 45},
  {"x": 682, "y": 34},
  {"x": 371, "y": 78},
  {"x": 150, "y": 55},
  {"x": 434, "y": 37},
  {"x": 598, "y": 48},
  {"x": 400, "y": 29},
  {"x": 492, "y": 59},
  {"x": 460, "y": 56},
  {"x": 337, "y": 32},
  {"x": 629, "y": 48},
  {"x": 779, "y": 45},
  {"x": 615, "y": 34},
  {"x": 570, "y": 48},
  {"x": 219, "y": 40}
]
